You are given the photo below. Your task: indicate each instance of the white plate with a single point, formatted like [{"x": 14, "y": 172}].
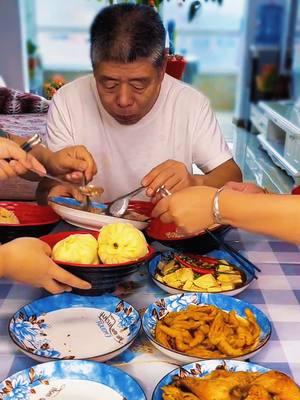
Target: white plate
[
  {"x": 71, "y": 380},
  {"x": 89, "y": 220},
  {"x": 57, "y": 327}
]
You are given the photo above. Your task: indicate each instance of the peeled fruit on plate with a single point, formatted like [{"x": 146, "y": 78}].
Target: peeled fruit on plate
[
  {"x": 121, "y": 242},
  {"x": 79, "y": 248}
]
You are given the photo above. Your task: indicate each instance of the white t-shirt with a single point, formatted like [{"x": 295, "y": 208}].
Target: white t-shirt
[{"x": 180, "y": 126}]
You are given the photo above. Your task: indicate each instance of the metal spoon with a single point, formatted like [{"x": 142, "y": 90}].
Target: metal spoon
[
  {"x": 118, "y": 207},
  {"x": 88, "y": 190}
]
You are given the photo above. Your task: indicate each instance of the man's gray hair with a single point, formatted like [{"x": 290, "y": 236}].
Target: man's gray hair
[{"x": 126, "y": 33}]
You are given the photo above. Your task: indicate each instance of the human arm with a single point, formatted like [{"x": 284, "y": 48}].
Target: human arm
[
  {"x": 270, "y": 214},
  {"x": 71, "y": 162},
  {"x": 228, "y": 171},
  {"x": 14, "y": 161},
  {"x": 209, "y": 152},
  {"x": 27, "y": 260},
  {"x": 175, "y": 176}
]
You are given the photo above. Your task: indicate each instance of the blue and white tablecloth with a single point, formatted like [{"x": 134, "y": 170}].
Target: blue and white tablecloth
[{"x": 276, "y": 292}]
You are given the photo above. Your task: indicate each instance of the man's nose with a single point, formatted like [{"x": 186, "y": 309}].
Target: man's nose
[{"x": 125, "y": 98}]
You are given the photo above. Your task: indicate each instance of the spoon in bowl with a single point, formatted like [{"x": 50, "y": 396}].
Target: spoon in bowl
[{"x": 118, "y": 207}]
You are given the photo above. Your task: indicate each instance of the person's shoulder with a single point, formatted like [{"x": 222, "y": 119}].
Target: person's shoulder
[
  {"x": 183, "y": 92},
  {"x": 76, "y": 87}
]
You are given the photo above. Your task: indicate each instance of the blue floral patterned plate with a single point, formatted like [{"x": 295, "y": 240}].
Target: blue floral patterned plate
[
  {"x": 202, "y": 368},
  {"x": 179, "y": 302},
  {"x": 67, "y": 326},
  {"x": 248, "y": 273},
  {"x": 72, "y": 379}
]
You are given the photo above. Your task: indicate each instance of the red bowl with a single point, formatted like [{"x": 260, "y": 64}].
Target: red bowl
[
  {"x": 103, "y": 277},
  {"x": 54, "y": 238},
  {"x": 34, "y": 220},
  {"x": 200, "y": 243}
]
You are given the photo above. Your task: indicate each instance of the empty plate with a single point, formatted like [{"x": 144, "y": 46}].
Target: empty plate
[
  {"x": 67, "y": 326},
  {"x": 71, "y": 380}
]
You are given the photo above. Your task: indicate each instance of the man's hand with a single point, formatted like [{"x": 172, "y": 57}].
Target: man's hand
[
  {"x": 190, "y": 209},
  {"x": 14, "y": 161},
  {"x": 47, "y": 188},
  {"x": 27, "y": 260},
  {"x": 172, "y": 174},
  {"x": 73, "y": 163},
  {"x": 246, "y": 187}
]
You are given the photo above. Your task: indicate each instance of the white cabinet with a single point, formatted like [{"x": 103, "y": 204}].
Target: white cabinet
[{"x": 278, "y": 124}]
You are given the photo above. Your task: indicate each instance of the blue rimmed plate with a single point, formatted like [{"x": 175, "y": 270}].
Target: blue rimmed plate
[
  {"x": 67, "y": 326},
  {"x": 179, "y": 302},
  {"x": 202, "y": 368},
  {"x": 69, "y": 210},
  {"x": 248, "y": 273},
  {"x": 72, "y": 379}
]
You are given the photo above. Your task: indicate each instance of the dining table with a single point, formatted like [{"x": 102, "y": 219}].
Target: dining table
[{"x": 276, "y": 292}]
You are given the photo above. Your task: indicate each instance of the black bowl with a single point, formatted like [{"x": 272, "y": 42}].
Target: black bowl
[
  {"x": 34, "y": 220},
  {"x": 104, "y": 278}
]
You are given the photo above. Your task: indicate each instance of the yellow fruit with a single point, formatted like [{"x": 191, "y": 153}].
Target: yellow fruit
[
  {"x": 120, "y": 242},
  {"x": 79, "y": 248}
]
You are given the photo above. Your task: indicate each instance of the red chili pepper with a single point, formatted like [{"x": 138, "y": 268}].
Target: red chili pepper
[
  {"x": 202, "y": 271},
  {"x": 195, "y": 263}
]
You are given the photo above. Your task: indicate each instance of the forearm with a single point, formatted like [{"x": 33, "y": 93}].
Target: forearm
[
  {"x": 228, "y": 171},
  {"x": 269, "y": 214}
]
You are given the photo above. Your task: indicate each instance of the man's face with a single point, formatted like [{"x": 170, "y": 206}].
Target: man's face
[{"x": 128, "y": 91}]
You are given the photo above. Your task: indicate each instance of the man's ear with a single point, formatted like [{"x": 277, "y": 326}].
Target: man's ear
[{"x": 164, "y": 65}]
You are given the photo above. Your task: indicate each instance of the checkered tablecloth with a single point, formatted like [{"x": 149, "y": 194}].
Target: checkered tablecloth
[{"x": 276, "y": 292}]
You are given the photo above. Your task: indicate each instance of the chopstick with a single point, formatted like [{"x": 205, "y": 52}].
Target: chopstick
[{"x": 234, "y": 253}]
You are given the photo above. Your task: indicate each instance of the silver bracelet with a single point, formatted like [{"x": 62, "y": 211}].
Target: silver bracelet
[{"x": 216, "y": 207}]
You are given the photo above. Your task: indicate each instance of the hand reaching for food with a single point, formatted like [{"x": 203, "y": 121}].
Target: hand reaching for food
[
  {"x": 14, "y": 161},
  {"x": 171, "y": 174},
  {"x": 27, "y": 260}
]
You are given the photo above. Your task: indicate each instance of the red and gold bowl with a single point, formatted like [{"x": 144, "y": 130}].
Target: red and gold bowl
[
  {"x": 169, "y": 235},
  {"x": 34, "y": 220},
  {"x": 103, "y": 277}
]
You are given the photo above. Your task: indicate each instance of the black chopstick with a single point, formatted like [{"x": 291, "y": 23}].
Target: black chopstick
[{"x": 234, "y": 253}]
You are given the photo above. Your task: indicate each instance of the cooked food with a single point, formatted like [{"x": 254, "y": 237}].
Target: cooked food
[
  {"x": 92, "y": 191},
  {"x": 98, "y": 209},
  {"x": 199, "y": 274},
  {"x": 121, "y": 242},
  {"x": 8, "y": 217},
  {"x": 206, "y": 331},
  {"x": 78, "y": 248},
  {"x": 233, "y": 385}
]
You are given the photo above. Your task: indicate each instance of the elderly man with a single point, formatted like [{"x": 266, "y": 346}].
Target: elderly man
[{"x": 140, "y": 125}]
